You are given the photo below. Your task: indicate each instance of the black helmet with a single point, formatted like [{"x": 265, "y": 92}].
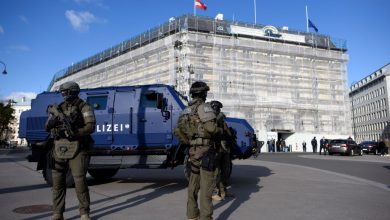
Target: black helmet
[
  {"x": 199, "y": 87},
  {"x": 70, "y": 90},
  {"x": 216, "y": 106}
]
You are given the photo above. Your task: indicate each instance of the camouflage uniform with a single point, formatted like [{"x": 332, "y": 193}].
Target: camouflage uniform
[
  {"x": 83, "y": 124},
  {"x": 197, "y": 126},
  {"x": 224, "y": 162}
]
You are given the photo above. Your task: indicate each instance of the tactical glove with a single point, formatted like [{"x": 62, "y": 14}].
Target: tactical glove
[{"x": 53, "y": 122}]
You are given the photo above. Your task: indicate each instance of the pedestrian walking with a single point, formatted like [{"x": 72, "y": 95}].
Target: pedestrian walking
[
  {"x": 382, "y": 147},
  {"x": 269, "y": 145},
  {"x": 314, "y": 145},
  {"x": 322, "y": 145},
  {"x": 283, "y": 146}
]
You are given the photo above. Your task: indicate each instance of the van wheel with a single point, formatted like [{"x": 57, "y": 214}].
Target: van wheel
[
  {"x": 351, "y": 152},
  {"x": 47, "y": 175},
  {"x": 102, "y": 174},
  {"x": 361, "y": 152}
]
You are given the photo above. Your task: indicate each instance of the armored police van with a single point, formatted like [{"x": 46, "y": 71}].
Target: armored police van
[{"x": 134, "y": 129}]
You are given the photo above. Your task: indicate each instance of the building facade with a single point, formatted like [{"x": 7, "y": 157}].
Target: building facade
[
  {"x": 286, "y": 83},
  {"x": 370, "y": 106},
  {"x": 12, "y": 134}
]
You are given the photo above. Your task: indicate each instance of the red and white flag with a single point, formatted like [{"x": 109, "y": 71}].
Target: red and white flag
[{"x": 200, "y": 4}]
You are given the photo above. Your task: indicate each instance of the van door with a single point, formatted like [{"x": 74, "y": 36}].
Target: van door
[
  {"x": 125, "y": 108},
  {"x": 153, "y": 127},
  {"x": 102, "y": 104}
]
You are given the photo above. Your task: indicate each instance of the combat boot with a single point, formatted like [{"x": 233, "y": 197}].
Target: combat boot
[
  {"x": 216, "y": 197},
  {"x": 223, "y": 195},
  {"x": 85, "y": 217},
  {"x": 57, "y": 216}
]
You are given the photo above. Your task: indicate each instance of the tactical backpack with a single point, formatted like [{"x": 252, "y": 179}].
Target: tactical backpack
[{"x": 189, "y": 122}]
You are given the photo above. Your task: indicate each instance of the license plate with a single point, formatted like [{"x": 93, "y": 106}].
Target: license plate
[{"x": 336, "y": 146}]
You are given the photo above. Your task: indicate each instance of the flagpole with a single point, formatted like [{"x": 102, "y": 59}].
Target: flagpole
[
  {"x": 194, "y": 7},
  {"x": 254, "y": 3},
  {"x": 307, "y": 20}
]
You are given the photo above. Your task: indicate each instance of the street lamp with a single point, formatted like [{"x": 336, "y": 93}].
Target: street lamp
[{"x": 5, "y": 68}]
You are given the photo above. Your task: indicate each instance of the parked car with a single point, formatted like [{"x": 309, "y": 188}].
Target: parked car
[
  {"x": 344, "y": 147},
  {"x": 370, "y": 147}
]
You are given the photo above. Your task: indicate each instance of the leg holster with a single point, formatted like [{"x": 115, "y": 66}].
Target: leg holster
[{"x": 209, "y": 160}]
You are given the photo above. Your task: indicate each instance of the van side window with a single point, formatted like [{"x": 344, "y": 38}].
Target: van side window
[
  {"x": 97, "y": 102},
  {"x": 149, "y": 100}
]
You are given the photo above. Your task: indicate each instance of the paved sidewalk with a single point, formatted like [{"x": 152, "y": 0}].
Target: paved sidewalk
[
  {"x": 263, "y": 190},
  {"x": 18, "y": 150}
]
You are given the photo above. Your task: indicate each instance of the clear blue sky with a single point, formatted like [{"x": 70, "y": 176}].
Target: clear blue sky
[{"x": 38, "y": 38}]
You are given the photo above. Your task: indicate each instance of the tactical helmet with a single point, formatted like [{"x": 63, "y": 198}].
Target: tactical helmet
[
  {"x": 70, "y": 90},
  {"x": 199, "y": 87},
  {"x": 216, "y": 106}
]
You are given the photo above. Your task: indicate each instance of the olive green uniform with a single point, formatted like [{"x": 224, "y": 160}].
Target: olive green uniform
[
  {"x": 197, "y": 126},
  {"x": 83, "y": 125},
  {"x": 224, "y": 162}
]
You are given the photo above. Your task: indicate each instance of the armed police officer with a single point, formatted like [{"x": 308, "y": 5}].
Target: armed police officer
[
  {"x": 197, "y": 126},
  {"x": 70, "y": 124},
  {"x": 224, "y": 145}
]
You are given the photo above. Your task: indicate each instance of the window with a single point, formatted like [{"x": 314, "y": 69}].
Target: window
[
  {"x": 149, "y": 99},
  {"x": 97, "y": 102}
]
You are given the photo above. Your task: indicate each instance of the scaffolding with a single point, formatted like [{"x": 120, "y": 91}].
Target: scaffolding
[{"x": 280, "y": 80}]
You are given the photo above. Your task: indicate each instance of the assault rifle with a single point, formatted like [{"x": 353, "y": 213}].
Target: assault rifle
[{"x": 66, "y": 122}]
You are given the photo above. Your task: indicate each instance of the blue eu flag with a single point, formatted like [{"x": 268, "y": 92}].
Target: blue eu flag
[{"x": 311, "y": 25}]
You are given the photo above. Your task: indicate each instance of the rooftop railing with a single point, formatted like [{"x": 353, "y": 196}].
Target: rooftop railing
[{"x": 187, "y": 22}]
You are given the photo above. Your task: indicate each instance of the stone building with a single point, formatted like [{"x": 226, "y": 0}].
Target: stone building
[{"x": 370, "y": 106}]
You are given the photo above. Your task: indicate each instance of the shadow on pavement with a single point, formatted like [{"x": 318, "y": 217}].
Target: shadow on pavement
[
  {"x": 23, "y": 188},
  {"x": 159, "y": 190},
  {"x": 94, "y": 182},
  {"x": 244, "y": 182}
]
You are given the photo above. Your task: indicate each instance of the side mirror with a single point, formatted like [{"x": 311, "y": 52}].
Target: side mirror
[{"x": 166, "y": 115}]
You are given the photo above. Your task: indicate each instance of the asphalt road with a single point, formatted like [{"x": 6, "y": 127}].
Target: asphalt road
[
  {"x": 270, "y": 187},
  {"x": 370, "y": 167}
]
